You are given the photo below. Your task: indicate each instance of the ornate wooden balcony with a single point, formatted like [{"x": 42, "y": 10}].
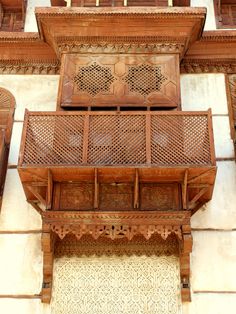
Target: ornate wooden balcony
[
  {"x": 117, "y": 174},
  {"x": 127, "y": 148}
]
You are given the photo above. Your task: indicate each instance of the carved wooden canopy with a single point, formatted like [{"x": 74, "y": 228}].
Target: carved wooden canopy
[{"x": 172, "y": 30}]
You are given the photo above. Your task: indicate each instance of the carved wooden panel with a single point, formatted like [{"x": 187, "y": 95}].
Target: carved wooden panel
[
  {"x": 116, "y": 196},
  {"x": 119, "y": 80},
  {"x": 160, "y": 196}
]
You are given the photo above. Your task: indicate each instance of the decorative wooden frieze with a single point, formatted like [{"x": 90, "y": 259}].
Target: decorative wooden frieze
[
  {"x": 122, "y": 45},
  {"x": 208, "y": 66},
  {"x": 36, "y": 67},
  {"x": 7, "y": 107},
  {"x": 115, "y": 80}
]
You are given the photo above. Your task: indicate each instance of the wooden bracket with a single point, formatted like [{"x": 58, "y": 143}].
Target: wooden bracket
[
  {"x": 184, "y": 189},
  {"x": 45, "y": 200},
  {"x": 193, "y": 201}
]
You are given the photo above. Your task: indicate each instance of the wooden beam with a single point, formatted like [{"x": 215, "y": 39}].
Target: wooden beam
[
  {"x": 197, "y": 196},
  {"x": 202, "y": 175},
  {"x": 96, "y": 189},
  {"x": 36, "y": 207},
  {"x": 136, "y": 189},
  {"x": 184, "y": 189},
  {"x": 86, "y": 139},
  {"x": 49, "y": 190},
  {"x": 36, "y": 194}
]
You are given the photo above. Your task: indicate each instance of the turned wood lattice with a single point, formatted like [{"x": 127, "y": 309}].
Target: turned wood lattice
[{"x": 62, "y": 138}]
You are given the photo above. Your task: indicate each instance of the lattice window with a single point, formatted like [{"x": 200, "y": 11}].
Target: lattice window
[
  {"x": 117, "y": 140},
  {"x": 58, "y": 140},
  {"x": 145, "y": 79},
  {"x": 94, "y": 79}
]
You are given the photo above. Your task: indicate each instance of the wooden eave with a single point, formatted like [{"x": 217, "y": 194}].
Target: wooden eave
[
  {"x": 214, "y": 52},
  {"x": 130, "y": 24},
  {"x": 214, "y": 45},
  {"x": 25, "y": 47}
]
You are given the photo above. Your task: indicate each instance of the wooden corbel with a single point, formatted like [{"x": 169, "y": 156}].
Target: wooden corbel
[{"x": 38, "y": 199}]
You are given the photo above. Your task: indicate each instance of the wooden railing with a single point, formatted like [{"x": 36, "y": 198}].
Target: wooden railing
[{"x": 117, "y": 138}]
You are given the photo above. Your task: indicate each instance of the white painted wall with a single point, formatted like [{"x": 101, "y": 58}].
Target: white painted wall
[
  {"x": 30, "y": 20},
  {"x": 210, "y": 19}
]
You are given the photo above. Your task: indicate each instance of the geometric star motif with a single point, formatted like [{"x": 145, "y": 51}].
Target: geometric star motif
[
  {"x": 145, "y": 79},
  {"x": 94, "y": 79}
]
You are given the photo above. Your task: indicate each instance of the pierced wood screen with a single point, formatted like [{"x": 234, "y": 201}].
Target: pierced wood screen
[
  {"x": 119, "y": 80},
  {"x": 125, "y": 138}
]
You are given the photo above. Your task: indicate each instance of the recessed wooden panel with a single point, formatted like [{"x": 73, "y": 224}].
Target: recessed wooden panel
[
  {"x": 73, "y": 196},
  {"x": 160, "y": 196},
  {"x": 116, "y": 196},
  {"x": 119, "y": 80}
]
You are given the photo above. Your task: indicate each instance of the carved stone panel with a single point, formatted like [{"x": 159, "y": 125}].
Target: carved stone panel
[{"x": 119, "y": 80}]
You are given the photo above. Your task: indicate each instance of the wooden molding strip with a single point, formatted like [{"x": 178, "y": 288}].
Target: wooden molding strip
[
  {"x": 21, "y": 231},
  {"x": 20, "y": 296}
]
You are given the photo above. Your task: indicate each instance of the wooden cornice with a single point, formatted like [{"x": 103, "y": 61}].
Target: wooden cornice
[
  {"x": 214, "y": 52},
  {"x": 30, "y": 53},
  {"x": 135, "y": 25},
  {"x": 26, "y": 53}
]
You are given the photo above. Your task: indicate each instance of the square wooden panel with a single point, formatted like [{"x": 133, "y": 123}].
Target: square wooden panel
[
  {"x": 73, "y": 196},
  {"x": 119, "y": 80},
  {"x": 160, "y": 196},
  {"x": 116, "y": 196}
]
